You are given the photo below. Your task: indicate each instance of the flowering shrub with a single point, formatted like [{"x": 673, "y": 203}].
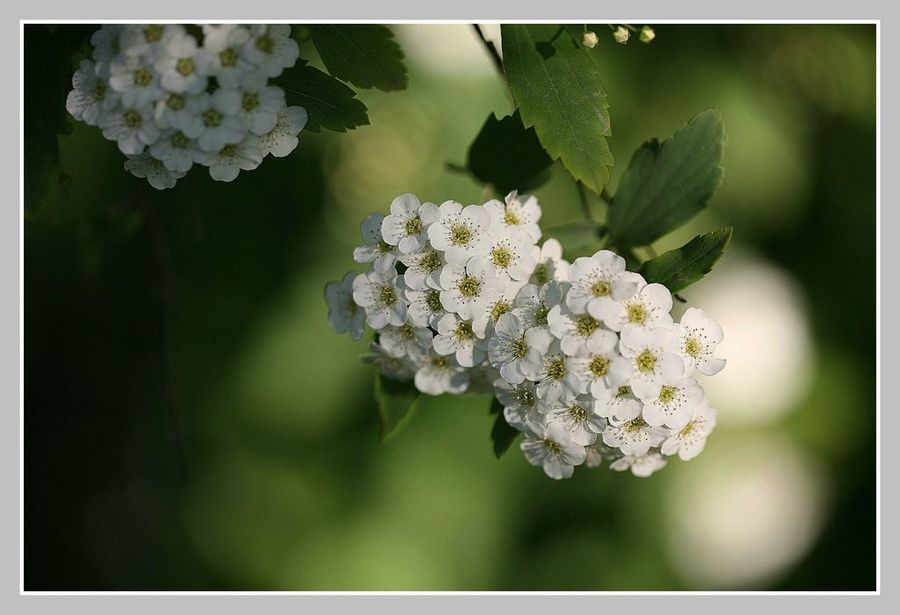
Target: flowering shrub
[
  {"x": 584, "y": 357},
  {"x": 170, "y": 101}
]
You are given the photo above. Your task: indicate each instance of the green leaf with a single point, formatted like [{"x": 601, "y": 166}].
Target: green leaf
[
  {"x": 667, "y": 184},
  {"x": 397, "y": 404},
  {"x": 678, "y": 269},
  {"x": 502, "y": 435},
  {"x": 508, "y": 156},
  {"x": 329, "y": 103},
  {"x": 366, "y": 55},
  {"x": 557, "y": 88}
]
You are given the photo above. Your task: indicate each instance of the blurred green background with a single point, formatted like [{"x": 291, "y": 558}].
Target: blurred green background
[{"x": 286, "y": 484}]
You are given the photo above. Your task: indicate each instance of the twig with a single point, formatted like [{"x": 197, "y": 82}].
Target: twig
[
  {"x": 167, "y": 287},
  {"x": 585, "y": 206},
  {"x": 492, "y": 51}
]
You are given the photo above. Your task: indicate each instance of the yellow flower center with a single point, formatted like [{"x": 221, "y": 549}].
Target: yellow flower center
[{"x": 645, "y": 362}]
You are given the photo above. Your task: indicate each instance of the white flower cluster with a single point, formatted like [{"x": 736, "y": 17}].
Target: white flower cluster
[
  {"x": 170, "y": 102},
  {"x": 584, "y": 357}
]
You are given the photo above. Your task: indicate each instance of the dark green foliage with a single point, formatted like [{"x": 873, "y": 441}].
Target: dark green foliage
[
  {"x": 329, "y": 102},
  {"x": 365, "y": 55},
  {"x": 667, "y": 183},
  {"x": 678, "y": 269},
  {"x": 508, "y": 156},
  {"x": 557, "y": 88}
]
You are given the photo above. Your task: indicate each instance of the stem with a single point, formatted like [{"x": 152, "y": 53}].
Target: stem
[
  {"x": 585, "y": 206},
  {"x": 492, "y": 51},
  {"x": 167, "y": 287}
]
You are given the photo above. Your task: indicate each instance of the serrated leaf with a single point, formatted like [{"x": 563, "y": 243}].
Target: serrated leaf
[
  {"x": 509, "y": 156},
  {"x": 365, "y": 55},
  {"x": 502, "y": 435},
  {"x": 329, "y": 103},
  {"x": 678, "y": 269},
  {"x": 397, "y": 404},
  {"x": 558, "y": 91},
  {"x": 667, "y": 184}
]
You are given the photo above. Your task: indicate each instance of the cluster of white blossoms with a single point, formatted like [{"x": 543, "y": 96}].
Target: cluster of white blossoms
[
  {"x": 170, "y": 102},
  {"x": 584, "y": 357}
]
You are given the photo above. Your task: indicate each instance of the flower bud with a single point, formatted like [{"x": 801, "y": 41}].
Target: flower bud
[
  {"x": 621, "y": 34},
  {"x": 589, "y": 40},
  {"x": 647, "y": 34}
]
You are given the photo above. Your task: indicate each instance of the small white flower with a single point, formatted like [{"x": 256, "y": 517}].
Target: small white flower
[
  {"x": 510, "y": 255},
  {"x": 481, "y": 379},
  {"x": 676, "y": 402},
  {"x": 407, "y": 225},
  {"x": 516, "y": 216},
  {"x": 634, "y": 437},
  {"x": 641, "y": 466},
  {"x": 406, "y": 341},
  {"x": 136, "y": 82},
  {"x": 484, "y": 321},
  {"x": 621, "y": 35},
  {"x": 146, "y": 42},
  {"x": 553, "y": 449},
  {"x": 425, "y": 309},
  {"x": 374, "y": 250},
  {"x": 617, "y": 404},
  {"x": 381, "y": 295},
  {"x": 466, "y": 290},
  {"x": 578, "y": 419},
  {"x": 343, "y": 313},
  {"x": 558, "y": 378},
  {"x": 460, "y": 232},
  {"x": 689, "y": 441},
  {"x": 271, "y": 48},
  {"x": 533, "y": 303},
  {"x": 589, "y": 39},
  {"x": 107, "y": 44},
  {"x": 599, "y": 283},
  {"x": 218, "y": 113},
  {"x": 131, "y": 129},
  {"x": 597, "y": 453},
  {"x": 549, "y": 263},
  {"x": 439, "y": 374},
  {"x": 224, "y": 43},
  {"x": 183, "y": 68},
  {"x": 260, "y": 102},
  {"x": 391, "y": 367},
  {"x": 652, "y": 361},
  {"x": 225, "y": 164},
  {"x": 698, "y": 336},
  {"x": 176, "y": 151},
  {"x": 282, "y": 140},
  {"x": 455, "y": 336},
  {"x": 423, "y": 268},
  {"x": 577, "y": 332},
  {"x": 91, "y": 98},
  {"x": 517, "y": 353},
  {"x": 648, "y": 307},
  {"x": 599, "y": 365},
  {"x": 180, "y": 112},
  {"x": 521, "y": 407},
  {"x": 158, "y": 176}
]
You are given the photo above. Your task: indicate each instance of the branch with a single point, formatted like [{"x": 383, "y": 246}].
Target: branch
[{"x": 492, "y": 51}]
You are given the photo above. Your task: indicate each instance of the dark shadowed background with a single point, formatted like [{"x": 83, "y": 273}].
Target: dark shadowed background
[{"x": 202, "y": 306}]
